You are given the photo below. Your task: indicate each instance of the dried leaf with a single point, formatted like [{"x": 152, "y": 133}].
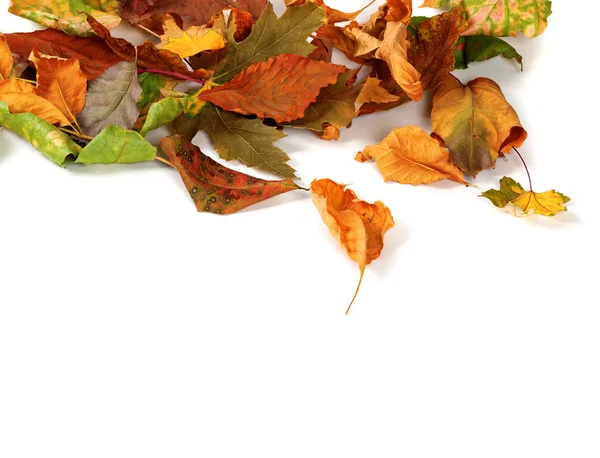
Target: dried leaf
[
  {"x": 93, "y": 54},
  {"x": 6, "y": 59},
  {"x": 393, "y": 51},
  {"x": 475, "y": 122},
  {"x": 115, "y": 145},
  {"x": 280, "y": 88},
  {"x": 501, "y": 18},
  {"x": 519, "y": 202},
  {"x": 365, "y": 44},
  {"x": 67, "y": 15},
  {"x": 341, "y": 41},
  {"x": 112, "y": 99},
  {"x": 189, "y": 42},
  {"x": 61, "y": 82},
  {"x": 409, "y": 155},
  {"x": 333, "y": 15},
  {"x": 21, "y": 98},
  {"x": 213, "y": 187},
  {"x": 47, "y": 139},
  {"x": 480, "y": 48},
  {"x": 358, "y": 226},
  {"x": 372, "y": 92},
  {"x": 166, "y": 110}
]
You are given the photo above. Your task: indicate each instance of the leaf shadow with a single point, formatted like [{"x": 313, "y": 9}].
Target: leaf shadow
[
  {"x": 282, "y": 199},
  {"x": 394, "y": 239},
  {"x": 7, "y": 145},
  {"x": 111, "y": 169}
]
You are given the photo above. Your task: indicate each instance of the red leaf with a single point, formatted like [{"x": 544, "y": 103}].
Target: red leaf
[{"x": 280, "y": 88}]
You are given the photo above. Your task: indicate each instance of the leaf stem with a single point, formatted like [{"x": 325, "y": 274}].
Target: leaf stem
[
  {"x": 526, "y": 168},
  {"x": 171, "y": 74},
  {"x": 362, "y": 273},
  {"x": 27, "y": 81},
  {"x": 77, "y": 134},
  {"x": 163, "y": 160}
]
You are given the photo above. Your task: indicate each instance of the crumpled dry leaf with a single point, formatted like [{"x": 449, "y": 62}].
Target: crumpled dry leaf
[
  {"x": 358, "y": 225},
  {"x": 364, "y": 43},
  {"x": 512, "y": 197},
  {"x": 333, "y": 16},
  {"x": 213, "y": 187},
  {"x": 475, "y": 122},
  {"x": 372, "y": 92},
  {"x": 6, "y": 59},
  {"x": 409, "y": 155}
]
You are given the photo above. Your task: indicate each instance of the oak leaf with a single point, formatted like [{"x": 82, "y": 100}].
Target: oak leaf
[
  {"x": 358, "y": 225},
  {"x": 409, "y": 155},
  {"x": 20, "y": 97},
  {"x": 213, "y": 187},
  {"x": 475, "y": 122},
  {"x": 519, "y": 202},
  {"x": 6, "y": 59},
  {"x": 280, "y": 88},
  {"x": 61, "y": 82},
  {"x": 501, "y": 18}
]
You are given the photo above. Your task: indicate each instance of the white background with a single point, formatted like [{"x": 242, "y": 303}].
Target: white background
[{"x": 132, "y": 326}]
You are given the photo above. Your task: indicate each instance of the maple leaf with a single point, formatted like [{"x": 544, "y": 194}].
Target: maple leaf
[
  {"x": 519, "y": 202},
  {"x": 358, "y": 225},
  {"x": 44, "y": 137},
  {"x": 409, "y": 155},
  {"x": 213, "y": 187},
  {"x": 480, "y": 48},
  {"x": 501, "y": 18},
  {"x": 93, "y": 54},
  {"x": 248, "y": 140},
  {"x": 115, "y": 145},
  {"x": 323, "y": 51},
  {"x": 6, "y": 59},
  {"x": 189, "y": 42},
  {"x": 68, "y": 16},
  {"x": 112, "y": 99},
  {"x": 280, "y": 88},
  {"x": 20, "y": 97},
  {"x": 61, "y": 82},
  {"x": 475, "y": 122}
]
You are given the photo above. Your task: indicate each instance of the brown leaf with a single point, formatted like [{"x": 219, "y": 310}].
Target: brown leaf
[
  {"x": 341, "y": 41},
  {"x": 409, "y": 155},
  {"x": 358, "y": 225},
  {"x": 213, "y": 187},
  {"x": 21, "y": 98},
  {"x": 323, "y": 49},
  {"x": 333, "y": 16},
  {"x": 6, "y": 59},
  {"x": 61, "y": 82},
  {"x": 475, "y": 122},
  {"x": 280, "y": 88}
]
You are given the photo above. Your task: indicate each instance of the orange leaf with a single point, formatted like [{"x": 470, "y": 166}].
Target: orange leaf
[
  {"x": 372, "y": 92},
  {"x": 333, "y": 16},
  {"x": 21, "y": 98},
  {"x": 358, "y": 225},
  {"x": 6, "y": 59},
  {"x": 409, "y": 155},
  {"x": 280, "y": 88},
  {"x": 61, "y": 82},
  {"x": 475, "y": 122}
]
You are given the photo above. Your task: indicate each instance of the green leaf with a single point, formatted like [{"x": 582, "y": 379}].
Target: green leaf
[
  {"x": 167, "y": 110},
  {"x": 115, "y": 145},
  {"x": 67, "y": 15},
  {"x": 480, "y": 48},
  {"x": 152, "y": 86},
  {"x": 249, "y": 140},
  {"x": 111, "y": 99},
  {"x": 50, "y": 141},
  {"x": 270, "y": 37}
]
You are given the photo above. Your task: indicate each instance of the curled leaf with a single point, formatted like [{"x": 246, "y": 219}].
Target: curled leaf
[
  {"x": 409, "y": 155},
  {"x": 213, "y": 187},
  {"x": 6, "y": 59},
  {"x": 358, "y": 225}
]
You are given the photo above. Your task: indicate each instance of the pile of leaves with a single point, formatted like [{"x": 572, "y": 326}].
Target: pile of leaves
[{"x": 78, "y": 94}]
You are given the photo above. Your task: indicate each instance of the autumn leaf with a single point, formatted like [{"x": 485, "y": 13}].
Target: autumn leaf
[
  {"x": 115, "y": 145},
  {"x": 213, "y": 187},
  {"x": 21, "y": 98},
  {"x": 238, "y": 24},
  {"x": 6, "y": 59},
  {"x": 44, "y": 137},
  {"x": 393, "y": 51},
  {"x": 346, "y": 44},
  {"x": 112, "y": 99},
  {"x": 247, "y": 140},
  {"x": 519, "y": 202},
  {"x": 280, "y": 88},
  {"x": 480, "y": 48},
  {"x": 409, "y": 155},
  {"x": 500, "y": 18},
  {"x": 475, "y": 122},
  {"x": 333, "y": 15},
  {"x": 93, "y": 54},
  {"x": 68, "y": 16},
  {"x": 166, "y": 110},
  {"x": 153, "y": 86},
  {"x": 372, "y": 92},
  {"x": 365, "y": 44},
  {"x": 189, "y": 42},
  {"x": 358, "y": 225},
  {"x": 61, "y": 82}
]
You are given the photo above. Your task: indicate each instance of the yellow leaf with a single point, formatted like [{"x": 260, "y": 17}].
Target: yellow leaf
[
  {"x": 394, "y": 51},
  {"x": 358, "y": 225},
  {"x": 365, "y": 44},
  {"x": 21, "y": 98},
  {"x": 190, "y": 42},
  {"x": 372, "y": 92},
  {"x": 409, "y": 155},
  {"x": 6, "y": 59}
]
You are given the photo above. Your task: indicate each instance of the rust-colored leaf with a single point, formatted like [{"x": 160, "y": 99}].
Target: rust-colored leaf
[
  {"x": 280, "y": 88},
  {"x": 475, "y": 122},
  {"x": 372, "y": 92},
  {"x": 6, "y": 59},
  {"x": 358, "y": 225},
  {"x": 333, "y": 16},
  {"x": 213, "y": 187}
]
